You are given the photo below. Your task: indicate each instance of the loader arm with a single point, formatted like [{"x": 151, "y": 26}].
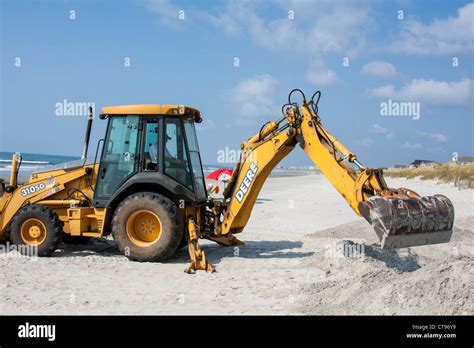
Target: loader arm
[{"x": 399, "y": 216}]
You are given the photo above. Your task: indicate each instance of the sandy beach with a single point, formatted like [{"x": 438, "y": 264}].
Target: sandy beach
[{"x": 293, "y": 262}]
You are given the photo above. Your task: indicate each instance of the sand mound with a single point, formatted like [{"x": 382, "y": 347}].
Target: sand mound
[{"x": 362, "y": 279}]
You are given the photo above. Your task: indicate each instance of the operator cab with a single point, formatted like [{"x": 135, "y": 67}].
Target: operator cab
[{"x": 150, "y": 144}]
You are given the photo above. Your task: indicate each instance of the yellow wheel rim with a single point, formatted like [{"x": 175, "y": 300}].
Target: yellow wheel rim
[
  {"x": 144, "y": 228},
  {"x": 33, "y": 232}
]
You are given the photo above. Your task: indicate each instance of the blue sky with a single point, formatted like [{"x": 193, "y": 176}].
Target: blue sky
[{"x": 280, "y": 45}]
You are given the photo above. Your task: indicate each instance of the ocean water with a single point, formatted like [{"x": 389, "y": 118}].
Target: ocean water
[
  {"x": 30, "y": 162},
  {"x": 39, "y": 162}
]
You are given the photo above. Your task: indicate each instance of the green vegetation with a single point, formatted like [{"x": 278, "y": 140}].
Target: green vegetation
[{"x": 444, "y": 172}]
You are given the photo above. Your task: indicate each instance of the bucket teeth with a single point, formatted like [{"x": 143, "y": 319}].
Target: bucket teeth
[{"x": 409, "y": 221}]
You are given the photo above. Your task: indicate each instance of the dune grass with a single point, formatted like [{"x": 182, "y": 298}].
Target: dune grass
[{"x": 444, "y": 172}]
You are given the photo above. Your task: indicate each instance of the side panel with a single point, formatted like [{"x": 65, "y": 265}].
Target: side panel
[{"x": 54, "y": 186}]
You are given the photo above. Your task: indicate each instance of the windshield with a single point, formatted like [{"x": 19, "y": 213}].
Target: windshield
[{"x": 195, "y": 159}]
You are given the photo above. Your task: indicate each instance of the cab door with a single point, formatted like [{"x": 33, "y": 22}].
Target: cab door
[{"x": 120, "y": 156}]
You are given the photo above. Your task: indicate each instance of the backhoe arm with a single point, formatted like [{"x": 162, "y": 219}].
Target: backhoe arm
[
  {"x": 399, "y": 216},
  {"x": 259, "y": 155},
  {"x": 262, "y": 152}
]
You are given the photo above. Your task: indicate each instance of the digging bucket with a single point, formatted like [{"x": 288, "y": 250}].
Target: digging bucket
[{"x": 409, "y": 221}]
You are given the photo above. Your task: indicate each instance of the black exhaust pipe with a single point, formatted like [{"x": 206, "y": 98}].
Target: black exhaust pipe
[{"x": 88, "y": 133}]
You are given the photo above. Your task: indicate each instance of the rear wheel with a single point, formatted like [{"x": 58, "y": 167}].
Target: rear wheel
[
  {"x": 37, "y": 227},
  {"x": 146, "y": 227}
]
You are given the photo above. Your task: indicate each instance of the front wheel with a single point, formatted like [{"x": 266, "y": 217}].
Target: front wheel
[
  {"x": 146, "y": 227},
  {"x": 36, "y": 229}
]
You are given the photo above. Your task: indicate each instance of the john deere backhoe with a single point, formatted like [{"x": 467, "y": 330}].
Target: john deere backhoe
[{"x": 147, "y": 188}]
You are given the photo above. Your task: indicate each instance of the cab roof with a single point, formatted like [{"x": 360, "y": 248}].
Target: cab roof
[{"x": 152, "y": 109}]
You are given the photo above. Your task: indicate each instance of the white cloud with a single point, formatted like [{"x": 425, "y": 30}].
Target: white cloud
[
  {"x": 207, "y": 124},
  {"x": 379, "y": 69},
  {"x": 366, "y": 141},
  {"x": 378, "y": 129},
  {"x": 430, "y": 92},
  {"x": 319, "y": 74},
  {"x": 437, "y": 137},
  {"x": 411, "y": 146},
  {"x": 332, "y": 26},
  {"x": 253, "y": 98},
  {"x": 318, "y": 28},
  {"x": 166, "y": 11},
  {"x": 442, "y": 37},
  {"x": 227, "y": 23},
  {"x": 387, "y": 91}
]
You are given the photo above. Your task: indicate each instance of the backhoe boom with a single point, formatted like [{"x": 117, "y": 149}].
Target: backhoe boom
[{"x": 399, "y": 216}]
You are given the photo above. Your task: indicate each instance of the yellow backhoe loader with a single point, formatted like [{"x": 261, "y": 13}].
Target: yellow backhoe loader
[{"x": 146, "y": 187}]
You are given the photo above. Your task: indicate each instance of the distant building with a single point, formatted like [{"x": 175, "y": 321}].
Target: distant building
[
  {"x": 465, "y": 159},
  {"x": 303, "y": 168},
  {"x": 423, "y": 163}
]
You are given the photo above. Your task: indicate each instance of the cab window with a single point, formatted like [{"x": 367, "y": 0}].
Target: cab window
[
  {"x": 195, "y": 159},
  {"x": 175, "y": 157},
  {"x": 119, "y": 157},
  {"x": 151, "y": 146}
]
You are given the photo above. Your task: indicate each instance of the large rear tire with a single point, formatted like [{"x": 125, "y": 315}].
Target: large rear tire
[
  {"x": 146, "y": 227},
  {"x": 37, "y": 227}
]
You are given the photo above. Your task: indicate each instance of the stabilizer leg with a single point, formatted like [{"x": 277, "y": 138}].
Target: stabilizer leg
[{"x": 197, "y": 256}]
